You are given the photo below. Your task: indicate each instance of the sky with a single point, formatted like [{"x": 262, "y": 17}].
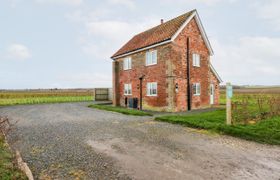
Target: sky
[{"x": 68, "y": 43}]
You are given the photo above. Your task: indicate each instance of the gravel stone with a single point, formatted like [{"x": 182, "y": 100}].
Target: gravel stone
[{"x": 72, "y": 141}]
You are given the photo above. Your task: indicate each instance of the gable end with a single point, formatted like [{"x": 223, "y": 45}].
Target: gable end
[{"x": 201, "y": 28}]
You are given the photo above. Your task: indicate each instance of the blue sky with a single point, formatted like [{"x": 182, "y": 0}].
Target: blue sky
[{"x": 68, "y": 43}]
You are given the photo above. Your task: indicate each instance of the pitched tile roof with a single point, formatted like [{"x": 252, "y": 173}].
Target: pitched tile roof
[{"x": 154, "y": 35}]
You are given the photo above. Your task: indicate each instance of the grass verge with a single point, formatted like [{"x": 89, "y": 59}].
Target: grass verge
[
  {"x": 43, "y": 100},
  {"x": 266, "y": 131},
  {"x": 120, "y": 110},
  {"x": 8, "y": 170}
]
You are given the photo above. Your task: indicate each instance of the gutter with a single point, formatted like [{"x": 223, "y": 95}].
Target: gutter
[
  {"x": 215, "y": 72},
  {"x": 142, "y": 49}
]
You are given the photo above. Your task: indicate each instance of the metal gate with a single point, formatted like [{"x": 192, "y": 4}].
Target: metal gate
[{"x": 101, "y": 94}]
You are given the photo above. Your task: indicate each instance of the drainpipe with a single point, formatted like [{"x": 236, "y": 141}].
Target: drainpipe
[
  {"x": 141, "y": 94},
  {"x": 188, "y": 75}
]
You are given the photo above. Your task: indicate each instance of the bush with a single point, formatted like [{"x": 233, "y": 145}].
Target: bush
[{"x": 255, "y": 108}]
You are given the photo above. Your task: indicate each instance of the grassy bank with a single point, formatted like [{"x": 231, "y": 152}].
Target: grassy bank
[
  {"x": 39, "y": 97},
  {"x": 7, "y": 169},
  {"x": 120, "y": 110},
  {"x": 266, "y": 131}
]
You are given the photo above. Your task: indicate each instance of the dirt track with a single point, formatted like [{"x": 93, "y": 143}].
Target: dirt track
[{"x": 65, "y": 141}]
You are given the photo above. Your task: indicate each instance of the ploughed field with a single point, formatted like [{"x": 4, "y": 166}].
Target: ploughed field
[{"x": 44, "y": 96}]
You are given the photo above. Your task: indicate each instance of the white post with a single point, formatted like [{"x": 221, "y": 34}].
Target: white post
[{"x": 228, "y": 106}]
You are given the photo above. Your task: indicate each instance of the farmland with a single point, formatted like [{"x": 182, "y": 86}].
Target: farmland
[
  {"x": 44, "y": 96},
  {"x": 256, "y": 116},
  {"x": 253, "y": 103},
  {"x": 240, "y": 93}
]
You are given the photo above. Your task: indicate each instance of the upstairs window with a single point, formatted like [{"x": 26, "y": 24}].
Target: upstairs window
[
  {"x": 151, "y": 57},
  {"x": 196, "y": 60},
  {"x": 127, "y": 89},
  {"x": 152, "y": 89},
  {"x": 127, "y": 63},
  {"x": 196, "y": 89}
]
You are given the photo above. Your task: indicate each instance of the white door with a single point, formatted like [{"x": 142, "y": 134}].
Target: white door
[{"x": 212, "y": 89}]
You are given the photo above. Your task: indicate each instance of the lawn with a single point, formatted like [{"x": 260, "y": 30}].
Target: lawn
[
  {"x": 46, "y": 96},
  {"x": 120, "y": 110},
  {"x": 265, "y": 131},
  {"x": 250, "y": 122},
  {"x": 7, "y": 169}
]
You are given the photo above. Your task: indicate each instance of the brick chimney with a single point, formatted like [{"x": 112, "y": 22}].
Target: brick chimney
[{"x": 161, "y": 21}]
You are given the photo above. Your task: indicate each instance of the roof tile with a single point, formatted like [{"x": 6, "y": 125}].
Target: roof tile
[{"x": 154, "y": 35}]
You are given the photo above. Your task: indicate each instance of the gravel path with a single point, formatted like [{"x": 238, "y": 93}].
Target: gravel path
[{"x": 71, "y": 141}]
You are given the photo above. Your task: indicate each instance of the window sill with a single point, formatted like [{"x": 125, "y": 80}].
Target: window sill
[
  {"x": 127, "y": 69},
  {"x": 127, "y": 94},
  {"x": 150, "y": 64},
  {"x": 152, "y": 95},
  {"x": 196, "y": 94}
]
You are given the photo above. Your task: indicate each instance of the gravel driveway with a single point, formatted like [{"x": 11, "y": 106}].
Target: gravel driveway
[{"x": 69, "y": 140}]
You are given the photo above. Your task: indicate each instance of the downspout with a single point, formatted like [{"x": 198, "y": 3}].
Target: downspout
[
  {"x": 141, "y": 93},
  {"x": 188, "y": 76}
]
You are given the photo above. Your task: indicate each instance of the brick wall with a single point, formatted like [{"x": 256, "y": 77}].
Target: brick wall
[
  {"x": 153, "y": 73},
  {"x": 215, "y": 81},
  {"x": 171, "y": 69},
  {"x": 198, "y": 74}
]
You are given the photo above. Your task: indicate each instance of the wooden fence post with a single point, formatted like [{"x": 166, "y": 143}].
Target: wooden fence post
[{"x": 228, "y": 104}]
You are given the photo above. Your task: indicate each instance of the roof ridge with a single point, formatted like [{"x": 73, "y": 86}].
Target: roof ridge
[{"x": 178, "y": 17}]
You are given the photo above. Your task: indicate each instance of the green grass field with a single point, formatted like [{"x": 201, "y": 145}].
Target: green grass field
[
  {"x": 252, "y": 93},
  {"x": 120, "y": 110},
  {"x": 39, "y": 97},
  {"x": 263, "y": 131},
  {"x": 251, "y": 96},
  {"x": 266, "y": 131}
]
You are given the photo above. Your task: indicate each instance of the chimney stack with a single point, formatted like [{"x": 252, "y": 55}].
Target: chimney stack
[{"x": 161, "y": 21}]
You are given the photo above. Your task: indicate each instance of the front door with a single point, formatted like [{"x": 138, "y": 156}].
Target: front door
[{"x": 212, "y": 89}]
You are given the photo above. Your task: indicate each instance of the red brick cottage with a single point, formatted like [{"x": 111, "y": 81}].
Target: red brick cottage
[{"x": 167, "y": 68}]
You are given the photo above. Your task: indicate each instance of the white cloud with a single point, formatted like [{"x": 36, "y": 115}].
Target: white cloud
[
  {"x": 269, "y": 10},
  {"x": 206, "y": 2},
  {"x": 109, "y": 29},
  {"x": 111, "y": 35},
  {"x": 66, "y": 2},
  {"x": 251, "y": 59},
  {"x": 103, "y": 33},
  {"x": 14, "y": 3},
  {"x": 84, "y": 16},
  {"x": 128, "y": 3},
  {"x": 18, "y": 51}
]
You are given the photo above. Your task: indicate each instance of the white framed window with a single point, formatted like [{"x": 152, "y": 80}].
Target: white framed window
[
  {"x": 196, "y": 60},
  {"x": 152, "y": 89},
  {"x": 127, "y": 89},
  {"x": 127, "y": 63},
  {"x": 196, "y": 89},
  {"x": 151, "y": 57}
]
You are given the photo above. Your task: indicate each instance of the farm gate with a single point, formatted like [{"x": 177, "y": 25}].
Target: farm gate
[{"x": 102, "y": 94}]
